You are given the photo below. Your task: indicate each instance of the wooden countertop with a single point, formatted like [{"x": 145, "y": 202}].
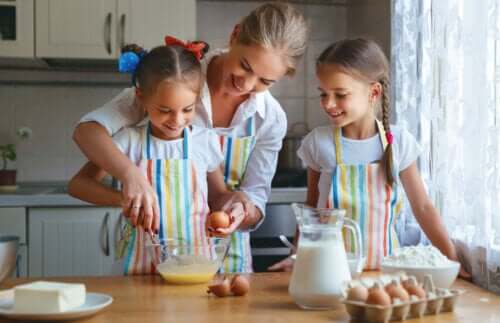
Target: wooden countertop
[{"x": 149, "y": 299}]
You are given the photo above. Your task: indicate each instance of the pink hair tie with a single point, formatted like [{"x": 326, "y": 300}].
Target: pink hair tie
[{"x": 389, "y": 137}]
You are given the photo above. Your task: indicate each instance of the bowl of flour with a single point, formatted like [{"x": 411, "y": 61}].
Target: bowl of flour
[{"x": 420, "y": 261}]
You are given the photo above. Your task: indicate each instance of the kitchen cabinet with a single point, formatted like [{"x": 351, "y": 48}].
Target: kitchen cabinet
[
  {"x": 78, "y": 241},
  {"x": 16, "y": 28},
  {"x": 97, "y": 29}
]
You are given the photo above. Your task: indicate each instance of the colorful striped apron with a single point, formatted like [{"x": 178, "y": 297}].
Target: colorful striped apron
[
  {"x": 183, "y": 208},
  {"x": 363, "y": 191},
  {"x": 236, "y": 152}
]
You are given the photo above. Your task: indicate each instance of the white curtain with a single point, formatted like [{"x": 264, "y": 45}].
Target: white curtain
[{"x": 445, "y": 65}]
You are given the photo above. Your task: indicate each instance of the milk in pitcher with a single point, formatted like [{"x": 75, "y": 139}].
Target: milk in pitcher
[{"x": 319, "y": 273}]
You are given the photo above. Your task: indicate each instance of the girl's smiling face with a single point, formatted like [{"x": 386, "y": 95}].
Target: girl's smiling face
[
  {"x": 250, "y": 69},
  {"x": 345, "y": 99},
  {"x": 170, "y": 108}
]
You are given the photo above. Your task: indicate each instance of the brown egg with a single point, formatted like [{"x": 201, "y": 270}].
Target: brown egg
[
  {"x": 357, "y": 293},
  {"x": 378, "y": 296},
  {"x": 396, "y": 291},
  {"x": 219, "y": 219},
  {"x": 221, "y": 289},
  {"x": 239, "y": 285},
  {"x": 413, "y": 288}
]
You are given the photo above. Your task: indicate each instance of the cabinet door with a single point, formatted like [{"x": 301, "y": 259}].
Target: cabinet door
[
  {"x": 16, "y": 28},
  {"x": 147, "y": 22},
  {"x": 72, "y": 241},
  {"x": 75, "y": 29}
]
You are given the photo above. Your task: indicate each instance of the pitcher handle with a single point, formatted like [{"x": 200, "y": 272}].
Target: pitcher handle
[{"x": 354, "y": 227}]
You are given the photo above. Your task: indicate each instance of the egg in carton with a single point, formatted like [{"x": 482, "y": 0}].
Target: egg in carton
[{"x": 433, "y": 300}]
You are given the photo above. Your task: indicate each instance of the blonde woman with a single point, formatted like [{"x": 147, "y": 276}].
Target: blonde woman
[{"x": 235, "y": 101}]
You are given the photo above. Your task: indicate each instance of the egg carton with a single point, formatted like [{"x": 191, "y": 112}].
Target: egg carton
[{"x": 439, "y": 300}]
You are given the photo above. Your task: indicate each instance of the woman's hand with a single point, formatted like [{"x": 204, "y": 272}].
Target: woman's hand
[
  {"x": 284, "y": 265},
  {"x": 237, "y": 214},
  {"x": 140, "y": 202}
]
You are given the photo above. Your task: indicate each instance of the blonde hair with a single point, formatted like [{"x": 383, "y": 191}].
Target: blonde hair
[
  {"x": 365, "y": 60},
  {"x": 276, "y": 25}
]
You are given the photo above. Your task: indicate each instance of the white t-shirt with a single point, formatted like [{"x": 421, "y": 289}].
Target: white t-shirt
[
  {"x": 317, "y": 151},
  {"x": 204, "y": 149},
  {"x": 270, "y": 128}
]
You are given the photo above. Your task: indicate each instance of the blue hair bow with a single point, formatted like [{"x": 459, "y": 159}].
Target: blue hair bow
[{"x": 127, "y": 63}]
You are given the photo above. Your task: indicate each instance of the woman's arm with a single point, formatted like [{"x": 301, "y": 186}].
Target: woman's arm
[
  {"x": 86, "y": 185},
  {"x": 426, "y": 214}
]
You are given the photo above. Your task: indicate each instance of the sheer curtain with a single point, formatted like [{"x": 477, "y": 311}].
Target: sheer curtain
[{"x": 445, "y": 64}]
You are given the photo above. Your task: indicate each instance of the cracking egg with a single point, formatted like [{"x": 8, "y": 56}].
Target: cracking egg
[{"x": 219, "y": 220}]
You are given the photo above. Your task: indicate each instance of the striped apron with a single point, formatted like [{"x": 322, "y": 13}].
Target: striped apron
[
  {"x": 183, "y": 208},
  {"x": 236, "y": 152},
  {"x": 362, "y": 190}
]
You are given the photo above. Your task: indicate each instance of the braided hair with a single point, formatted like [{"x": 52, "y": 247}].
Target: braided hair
[{"x": 365, "y": 60}]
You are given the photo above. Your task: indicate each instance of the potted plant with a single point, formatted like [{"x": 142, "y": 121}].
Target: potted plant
[{"x": 8, "y": 153}]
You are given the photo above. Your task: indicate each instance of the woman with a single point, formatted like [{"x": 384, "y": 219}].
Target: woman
[{"x": 235, "y": 101}]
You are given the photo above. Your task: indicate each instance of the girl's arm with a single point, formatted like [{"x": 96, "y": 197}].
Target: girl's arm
[
  {"x": 312, "y": 187},
  {"x": 98, "y": 146},
  {"x": 86, "y": 185},
  {"x": 312, "y": 201},
  {"x": 426, "y": 214}
]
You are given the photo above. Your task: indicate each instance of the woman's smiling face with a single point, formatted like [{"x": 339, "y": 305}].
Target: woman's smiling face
[{"x": 251, "y": 68}]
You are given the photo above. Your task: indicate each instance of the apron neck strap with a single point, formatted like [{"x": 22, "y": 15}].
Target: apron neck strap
[
  {"x": 251, "y": 126},
  {"x": 147, "y": 135},
  {"x": 337, "y": 134}
]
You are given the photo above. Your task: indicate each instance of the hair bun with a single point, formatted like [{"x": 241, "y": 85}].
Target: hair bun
[
  {"x": 134, "y": 48},
  {"x": 205, "y": 47}
]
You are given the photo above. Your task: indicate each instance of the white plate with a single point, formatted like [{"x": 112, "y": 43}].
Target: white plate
[{"x": 94, "y": 302}]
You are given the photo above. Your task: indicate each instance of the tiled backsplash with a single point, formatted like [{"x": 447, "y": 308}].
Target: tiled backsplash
[{"x": 51, "y": 110}]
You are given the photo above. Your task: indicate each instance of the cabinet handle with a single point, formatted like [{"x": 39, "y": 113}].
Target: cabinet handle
[
  {"x": 122, "y": 27},
  {"x": 105, "y": 230},
  {"x": 107, "y": 33}
]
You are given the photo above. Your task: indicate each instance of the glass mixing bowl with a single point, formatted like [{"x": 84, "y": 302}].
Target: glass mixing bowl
[{"x": 188, "y": 262}]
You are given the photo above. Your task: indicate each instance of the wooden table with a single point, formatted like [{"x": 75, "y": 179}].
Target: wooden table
[{"x": 149, "y": 299}]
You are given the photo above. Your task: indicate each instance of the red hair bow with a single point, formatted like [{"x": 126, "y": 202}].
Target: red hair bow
[{"x": 194, "y": 47}]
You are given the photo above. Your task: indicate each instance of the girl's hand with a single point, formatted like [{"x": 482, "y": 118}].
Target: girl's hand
[
  {"x": 139, "y": 198},
  {"x": 464, "y": 274},
  {"x": 284, "y": 265}
]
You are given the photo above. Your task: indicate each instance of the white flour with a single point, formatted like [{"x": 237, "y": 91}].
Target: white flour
[{"x": 417, "y": 256}]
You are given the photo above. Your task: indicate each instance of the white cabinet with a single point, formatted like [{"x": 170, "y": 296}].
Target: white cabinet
[
  {"x": 97, "y": 29},
  {"x": 79, "y": 241},
  {"x": 16, "y": 28}
]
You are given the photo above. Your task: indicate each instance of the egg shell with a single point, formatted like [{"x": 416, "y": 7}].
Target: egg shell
[
  {"x": 239, "y": 285},
  {"x": 357, "y": 293},
  {"x": 219, "y": 220},
  {"x": 378, "y": 296},
  {"x": 396, "y": 291},
  {"x": 221, "y": 289}
]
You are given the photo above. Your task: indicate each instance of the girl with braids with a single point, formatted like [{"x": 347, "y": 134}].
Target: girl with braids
[
  {"x": 360, "y": 163},
  {"x": 182, "y": 162}
]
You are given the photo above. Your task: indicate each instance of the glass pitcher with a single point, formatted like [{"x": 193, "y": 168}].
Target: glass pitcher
[{"x": 321, "y": 269}]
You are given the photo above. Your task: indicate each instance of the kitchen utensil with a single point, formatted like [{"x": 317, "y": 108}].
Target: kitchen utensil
[
  {"x": 321, "y": 269},
  {"x": 188, "y": 262},
  {"x": 8, "y": 255}
]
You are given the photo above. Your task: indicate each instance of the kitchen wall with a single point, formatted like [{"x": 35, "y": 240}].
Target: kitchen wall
[{"x": 51, "y": 110}]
